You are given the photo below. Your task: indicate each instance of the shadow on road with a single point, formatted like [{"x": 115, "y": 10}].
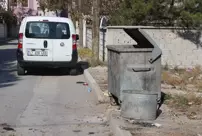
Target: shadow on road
[
  {"x": 79, "y": 70},
  {"x": 7, "y": 67},
  {"x": 10, "y": 42}
]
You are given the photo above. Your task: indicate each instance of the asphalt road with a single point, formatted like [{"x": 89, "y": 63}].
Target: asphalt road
[{"x": 45, "y": 102}]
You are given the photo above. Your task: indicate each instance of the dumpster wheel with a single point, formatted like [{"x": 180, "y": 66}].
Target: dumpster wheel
[{"x": 114, "y": 100}]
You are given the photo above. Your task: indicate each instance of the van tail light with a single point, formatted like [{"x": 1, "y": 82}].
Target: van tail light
[
  {"x": 20, "y": 40},
  {"x": 74, "y": 45}
]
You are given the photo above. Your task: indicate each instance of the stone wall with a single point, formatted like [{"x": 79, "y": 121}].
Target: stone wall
[{"x": 180, "y": 48}]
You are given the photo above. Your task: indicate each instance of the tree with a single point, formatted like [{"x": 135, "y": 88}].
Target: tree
[
  {"x": 131, "y": 12},
  {"x": 7, "y": 16},
  {"x": 109, "y": 6},
  {"x": 53, "y": 5},
  {"x": 80, "y": 22},
  {"x": 185, "y": 13},
  {"x": 43, "y": 5},
  {"x": 191, "y": 14}
]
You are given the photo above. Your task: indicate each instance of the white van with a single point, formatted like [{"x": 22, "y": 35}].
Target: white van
[{"x": 46, "y": 42}]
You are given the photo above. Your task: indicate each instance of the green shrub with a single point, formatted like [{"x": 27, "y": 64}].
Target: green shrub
[{"x": 8, "y": 17}]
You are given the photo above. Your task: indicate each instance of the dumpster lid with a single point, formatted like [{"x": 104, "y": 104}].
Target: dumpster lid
[{"x": 144, "y": 41}]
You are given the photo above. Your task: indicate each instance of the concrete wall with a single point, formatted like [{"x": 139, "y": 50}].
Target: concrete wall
[
  {"x": 179, "y": 48},
  {"x": 14, "y": 31},
  {"x": 8, "y": 33},
  {"x": 3, "y": 31}
]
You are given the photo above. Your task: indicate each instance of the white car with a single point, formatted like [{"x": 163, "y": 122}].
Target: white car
[{"x": 46, "y": 42}]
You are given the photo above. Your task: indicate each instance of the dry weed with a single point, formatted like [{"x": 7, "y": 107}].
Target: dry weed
[
  {"x": 171, "y": 79},
  {"x": 183, "y": 77},
  {"x": 183, "y": 102},
  {"x": 86, "y": 54}
]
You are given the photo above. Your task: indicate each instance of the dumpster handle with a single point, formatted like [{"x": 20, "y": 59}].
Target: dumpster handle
[{"x": 139, "y": 68}]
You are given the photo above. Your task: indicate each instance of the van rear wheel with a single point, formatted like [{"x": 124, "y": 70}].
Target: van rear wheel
[
  {"x": 20, "y": 70},
  {"x": 73, "y": 72}
]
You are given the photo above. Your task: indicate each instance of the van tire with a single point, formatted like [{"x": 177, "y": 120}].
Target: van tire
[
  {"x": 20, "y": 70},
  {"x": 73, "y": 72}
]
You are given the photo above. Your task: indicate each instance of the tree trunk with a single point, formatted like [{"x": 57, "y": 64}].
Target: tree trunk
[
  {"x": 80, "y": 23},
  {"x": 56, "y": 12},
  {"x": 170, "y": 12},
  {"x": 8, "y": 5},
  {"x": 71, "y": 11},
  {"x": 44, "y": 12},
  {"x": 95, "y": 30}
]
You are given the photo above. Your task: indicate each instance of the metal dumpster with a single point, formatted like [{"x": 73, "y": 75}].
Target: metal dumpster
[{"x": 135, "y": 67}]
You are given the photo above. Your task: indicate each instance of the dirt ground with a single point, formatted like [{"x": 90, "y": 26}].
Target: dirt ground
[
  {"x": 180, "y": 114},
  {"x": 169, "y": 123}
]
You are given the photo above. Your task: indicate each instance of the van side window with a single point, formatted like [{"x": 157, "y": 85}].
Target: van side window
[{"x": 48, "y": 30}]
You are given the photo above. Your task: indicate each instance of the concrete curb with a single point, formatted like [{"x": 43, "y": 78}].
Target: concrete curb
[
  {"x": 116, "y": 124},
  {"x": 95, "y": 87}
]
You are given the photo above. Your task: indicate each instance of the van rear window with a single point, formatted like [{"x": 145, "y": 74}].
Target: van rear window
[{"x": 47, "y": 30}]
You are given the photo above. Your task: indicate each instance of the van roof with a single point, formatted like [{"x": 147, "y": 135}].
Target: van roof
[{"x": 41, "y": 18}]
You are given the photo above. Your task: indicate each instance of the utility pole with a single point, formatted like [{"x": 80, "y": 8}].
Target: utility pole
[
  {"x": 72, "y": 11},
  {"x": 8, "y": 5},
  {"x": 96, "y": 30},
  {"x": 80, "y": 23}
]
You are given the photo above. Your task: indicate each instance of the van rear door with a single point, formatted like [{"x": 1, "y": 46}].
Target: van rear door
[
  {"x": 37, "y": 42},
  {"x": 62, "y": 44}
]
